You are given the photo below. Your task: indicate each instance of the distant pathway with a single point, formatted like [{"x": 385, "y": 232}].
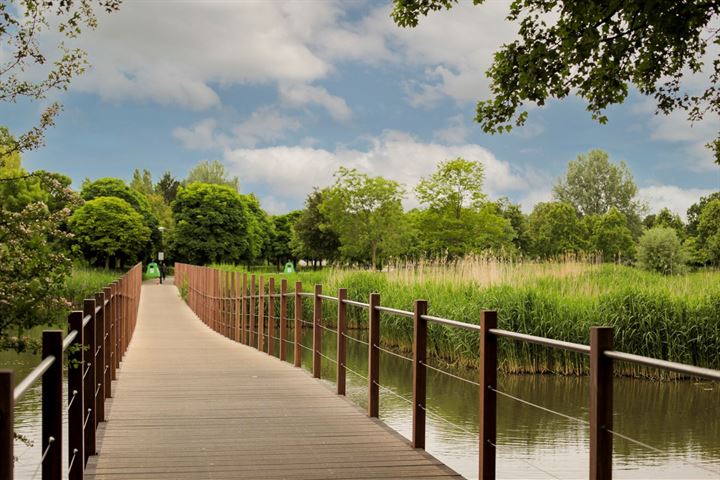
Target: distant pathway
[{"x": 192, "y": 404}]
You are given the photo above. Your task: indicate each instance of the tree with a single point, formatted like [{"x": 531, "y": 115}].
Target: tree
[
  {"x": 660, "y": 251},
  {"x": 458, "y": 220},
  {"x": 314, "y": 239},
  {"x": 367, "y": 213},
  {"x": 456, "y": 184},
  {"x": 167, "y": 186},
  {"x": 142, "y": 182},
  {"x": 280, "y": 248},
  {"x": 35, "y": 263},
  {"x": 109, "y": 228},
  {"x": 114, "y": 187},
  {"x": 518, "y": 221},
  {"x": 554, "y": 229},
  {"x": 709, "y": 231},
  {"x": 212, "y": 172},
  {"x": 596, "y": 49},
  {"x": 594, "y": 185},
  {"x": 693, "y": 213},
  {"x": 609, "y": 235},
  {"x": 666, "y": 218},
  {"x": 25, "y": 72},
  {"x": 212, "y": 224},
  {"x": 260, "y": 230}
]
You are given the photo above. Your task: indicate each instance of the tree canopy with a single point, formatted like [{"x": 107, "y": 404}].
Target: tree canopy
[
  {"x": 109, "y": 228},
  {"x": 212, "y": 172},
  {"x": 596, "y": 49},
  {"x": 212, "y": 224},
  {"x": 455, "y": 184},
  {"x": 314, "y": 239},
  {"x": 367, "y": 214},
  {"x": 594, "y": 185}
]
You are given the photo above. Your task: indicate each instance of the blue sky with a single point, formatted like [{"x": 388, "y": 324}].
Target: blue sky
[{"x": 285, "y": 92}]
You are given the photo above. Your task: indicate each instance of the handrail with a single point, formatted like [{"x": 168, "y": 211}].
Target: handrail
[
  {"x": 32, "y": 377},
  {"x": 394, "y": 311},
  {"x": 356, "y": 304},
  {"x": 547, "y": 342},
  {"x": 228, "y": 320},
  {"x": 451, "y": 323},
  {"x": 69, "y": 339},
  {"x": 665, "y": 365},
  {"x": 103, "y": 329}
]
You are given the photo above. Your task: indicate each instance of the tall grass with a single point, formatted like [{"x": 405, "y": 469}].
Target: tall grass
[
  {"x": 85, "y": 282},
  {"x": 675, "y": 318}
]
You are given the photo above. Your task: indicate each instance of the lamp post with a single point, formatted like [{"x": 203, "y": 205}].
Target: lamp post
[{"x": 161, "y": 255}]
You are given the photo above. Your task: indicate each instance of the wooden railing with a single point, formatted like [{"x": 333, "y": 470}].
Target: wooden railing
[
  {"x": 97, "y": 340},
  {"x": 221, "y": 299}
]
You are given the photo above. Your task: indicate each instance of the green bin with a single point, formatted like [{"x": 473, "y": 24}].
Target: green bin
[
  {"x": 152, "y": 271},
  {"x": 289, "y": 268}
]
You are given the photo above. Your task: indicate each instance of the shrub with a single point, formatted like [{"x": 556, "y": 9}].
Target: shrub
[{"x": 660, "y": 251}]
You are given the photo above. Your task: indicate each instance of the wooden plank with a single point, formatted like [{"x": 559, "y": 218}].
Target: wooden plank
[{"x": 190, "y": 404}]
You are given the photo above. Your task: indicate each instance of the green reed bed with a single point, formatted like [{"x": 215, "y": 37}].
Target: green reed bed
[
  {"x": 674, "y": 318},
  {"x": 86, "y": 282}
]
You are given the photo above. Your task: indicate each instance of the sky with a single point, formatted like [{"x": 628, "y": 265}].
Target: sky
[{"x": 285, "y": 92}]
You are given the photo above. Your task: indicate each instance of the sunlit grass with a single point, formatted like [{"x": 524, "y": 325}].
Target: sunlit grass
[{"x": 669, "y": 317}]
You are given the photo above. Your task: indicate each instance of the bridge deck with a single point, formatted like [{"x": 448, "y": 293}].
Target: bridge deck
[{"x": 191, "y": 404}]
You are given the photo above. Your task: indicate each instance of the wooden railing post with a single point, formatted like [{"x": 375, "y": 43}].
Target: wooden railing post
[
  {"x": 76, "y": 454},
  {"x": 252, "y": 311},
  {"x": 488, "y": 400},
  {"x": 228, "y": 304},
  {"x": 419, "y": 373},
  {"x": 100, "y": 357},
  {"x": 107, "y": 345},
  {"x": 89, "y": 421},
  {"x": 216, "y": 300},
  {"x": 341, "y": 341},
  {"x": 271, "y": 315},
  {"x": 113, "y": 330},
  {"x": 283, "y": 318},
  {"x": 7, "y": 424},
  {"x": 374, "y": 356},
  {"x": 317, "y": 331},
  {"x": 52, "y": 405},
  {"x": 261, "y": 315},
  {"x": 243, "y": 310},
  {"x": 298, "y": 332},
  {"x": 236, "y": 306},
  {"x": 601, "y": 403}
]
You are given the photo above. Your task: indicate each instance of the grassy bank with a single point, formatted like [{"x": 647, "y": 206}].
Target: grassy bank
[
  {"x": 675, "y": 318},
  {"x": 86, "y": 282}
]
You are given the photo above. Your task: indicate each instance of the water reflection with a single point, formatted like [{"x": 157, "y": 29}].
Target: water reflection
[{"x": 682, "y": 419}]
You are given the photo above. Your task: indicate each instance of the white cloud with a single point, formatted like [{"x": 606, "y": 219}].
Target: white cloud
[
  {"x": 265, "y": 124},
  {"x": 456, "y": 132},
  {"x": 274, "y": 206},
  {"x": 180, "y": 55},
  {"x": 675, "y": 198},
  {"x": 147, "y": 51},
  {"x": 202, "y": 136},
  {"x": 457, "y": 46},
  {"x": 301, "y": 95},
  {"x": 288, "y": 173}
]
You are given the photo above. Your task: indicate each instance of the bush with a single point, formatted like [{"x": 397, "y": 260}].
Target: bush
[{"x": 660, "y": 251}]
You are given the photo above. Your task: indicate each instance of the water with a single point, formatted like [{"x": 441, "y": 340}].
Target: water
[{"x": 682, "y": 419}]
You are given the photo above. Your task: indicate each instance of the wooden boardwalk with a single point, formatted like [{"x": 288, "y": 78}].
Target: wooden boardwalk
[{"x": 192, "y": 404}]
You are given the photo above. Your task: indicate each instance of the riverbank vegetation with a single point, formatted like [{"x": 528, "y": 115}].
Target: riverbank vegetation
[{"x": 667, "y": 317}]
